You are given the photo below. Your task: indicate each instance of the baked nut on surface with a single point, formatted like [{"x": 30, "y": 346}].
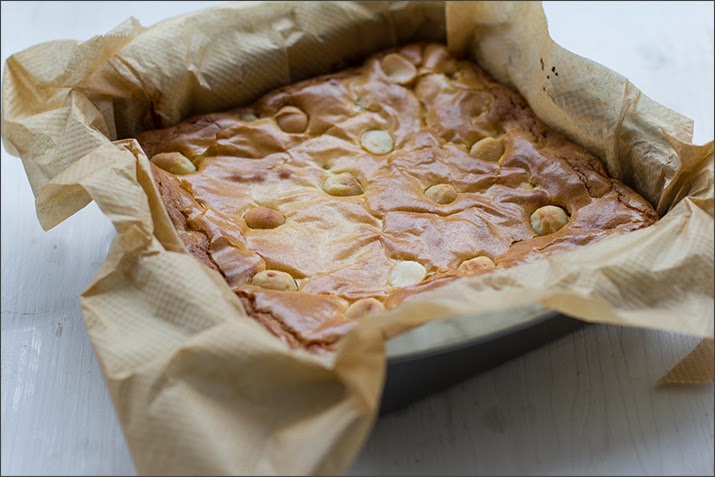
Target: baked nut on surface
[
  {"x": 377, "y": 141},
  {"x": 398, "y": 68},
  {"x": 274, "y": 280},
  {"x": 364, "y": 306},
  {"x": 346, "y": 194},
  {"x": 263, "y": 218},
  {"x": 477, "y": 264},
  {"x": 488, "y": 149},
  {"x": 341, "y": 185},
  {"x": 174, "y": 162},
  {"x": 441, "y": 193},
  {"x": 548, "y": 219},
  {"x": 292, "y": 120},
  {"x": 407, "y": 273}
]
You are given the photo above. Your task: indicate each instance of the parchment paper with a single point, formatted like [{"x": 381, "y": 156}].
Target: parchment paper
[{"x": 199, "y": 387}]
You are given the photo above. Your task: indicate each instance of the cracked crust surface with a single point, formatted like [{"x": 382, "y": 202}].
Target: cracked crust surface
[{"x": 413, "y": 158}]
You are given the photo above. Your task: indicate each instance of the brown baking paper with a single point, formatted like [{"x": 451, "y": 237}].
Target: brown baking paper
[{"x": 199, "y": 387}]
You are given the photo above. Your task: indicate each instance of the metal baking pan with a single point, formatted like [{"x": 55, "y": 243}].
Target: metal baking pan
[{"x": 439, "y": 354}]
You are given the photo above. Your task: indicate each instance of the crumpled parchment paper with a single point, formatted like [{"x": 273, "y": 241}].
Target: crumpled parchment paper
[{"x": 199, "y": 387}]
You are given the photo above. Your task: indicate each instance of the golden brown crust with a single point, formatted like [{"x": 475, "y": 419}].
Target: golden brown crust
[
  {"x": 377, "y": 183},
  {"x": 196, "y": 241}
]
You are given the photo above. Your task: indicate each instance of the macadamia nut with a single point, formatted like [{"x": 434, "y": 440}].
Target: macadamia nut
[
  {"x": 174, "y": 162},
  {"x": 548, "y": 219},
  {"x": 487, "y": 149},
  {"x": 342, "y": 185},
  {"x": 274, "y": 280},
  {"x": 292, "y": 120},
  {"x": 407, "y": 273},
  {"x": 363, "y": 307},
  {"x": 263, "y": 218},
  {"x": 477, "y": 264},
  {"x": 398, "y": 68},
  {"x": 441, "y": 193},
  {"x": 377, "y": 141}
]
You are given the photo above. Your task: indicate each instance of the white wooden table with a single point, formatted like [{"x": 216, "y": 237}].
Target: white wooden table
[{"x": 585, "y": 404}]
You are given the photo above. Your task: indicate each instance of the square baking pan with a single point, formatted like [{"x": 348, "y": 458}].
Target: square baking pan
[{"x": 442, "y": 353}]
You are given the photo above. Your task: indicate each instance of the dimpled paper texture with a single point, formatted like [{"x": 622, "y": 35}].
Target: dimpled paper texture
[{"x": 199, "y": 387}]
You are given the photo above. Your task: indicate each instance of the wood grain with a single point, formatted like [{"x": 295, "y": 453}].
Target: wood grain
[{"x": 586, "y": 404}]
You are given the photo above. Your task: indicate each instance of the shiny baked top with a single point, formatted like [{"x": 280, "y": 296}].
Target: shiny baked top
[{"x": 344, "y": 194}]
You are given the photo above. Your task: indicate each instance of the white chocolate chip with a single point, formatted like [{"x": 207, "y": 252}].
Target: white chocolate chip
[
  {"x": 477, "y": 264},
  {"x": 292, "y": 120},
  {"x": 398, "y": 68},
  {"x": 441, "y": 193},
  {"x": 249, "y": 117},
  {"x": 174, "y": 162},
  {"x": 407, "y": 273},
  {"x": 376, "y": 141},
  {"x": 342, "y": 185},
  {"x": 364, "y": 306},
  {"x": 263, "y": 218},
  {"x": 548, "y": 219},
  {"x": 488, "y": 149},
  {"x": 274, "y": 280}
]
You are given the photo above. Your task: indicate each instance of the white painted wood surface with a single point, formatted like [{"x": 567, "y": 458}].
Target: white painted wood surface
[{"x": 586, "y": 404}]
